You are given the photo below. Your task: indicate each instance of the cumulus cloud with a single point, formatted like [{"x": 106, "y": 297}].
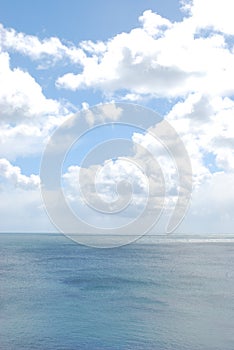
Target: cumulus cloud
[
  {"x": 160, "y": 59},
  {"x": 154, "y": 24},
  {"x": 103, "y": 182},
  {"x": 12, "y": 174},
  {"x": 26, "y": 116},
  {"x": 125, "y": 185},
  {"x": 129, "y": 62},
  {"x": 51, "y": 48},
  {"x": 114, "y": 193},
  {"x": 205, "y": 124},
  {"x": 20, "y": 95},
  {"x": 192, "y": 60},
  {"x": 213, "y": 14}
]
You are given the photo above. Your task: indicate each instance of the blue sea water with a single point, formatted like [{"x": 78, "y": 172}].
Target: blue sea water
[{"x": 55, "y": 294}]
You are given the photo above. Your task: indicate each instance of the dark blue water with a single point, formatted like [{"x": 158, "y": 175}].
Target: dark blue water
[{"x": 55, "y": 294}]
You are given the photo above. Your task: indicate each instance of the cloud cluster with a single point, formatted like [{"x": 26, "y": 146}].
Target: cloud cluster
[
  {"x": 190, "y": 62},
  {"x": 161, "y": 59},
  {"x": 105, "y": 180}
]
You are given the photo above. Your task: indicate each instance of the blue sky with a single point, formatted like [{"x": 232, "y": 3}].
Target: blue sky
[
  {"x": 77, "y": 21},
  {"x": 58, "y": 58}
]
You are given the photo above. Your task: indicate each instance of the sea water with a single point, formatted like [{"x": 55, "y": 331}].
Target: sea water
[{"x": 55, "y": 294}]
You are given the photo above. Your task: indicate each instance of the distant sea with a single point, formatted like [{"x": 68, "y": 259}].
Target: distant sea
[{"x": 165, "y": 295}]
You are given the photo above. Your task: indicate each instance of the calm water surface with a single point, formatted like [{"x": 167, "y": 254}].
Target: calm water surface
[{"x": 55, "y": 294}]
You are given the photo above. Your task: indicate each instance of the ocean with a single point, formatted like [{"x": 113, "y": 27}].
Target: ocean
[{"x": 56, "y": 294}]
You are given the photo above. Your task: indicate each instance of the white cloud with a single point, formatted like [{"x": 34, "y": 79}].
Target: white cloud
[
  {"x": 160, "y": 58},
  {"x": 26, "y": 115},
  {"x": 12, "y": 174},
  {"x": 124, "y": 186},
  {"x": 105, "y": 189},
  {"x": 101, "y": 182},
  {"x": 192, "y": 59},
  {"x": 214, "y": 14},
  {"x": 154, "y": 24},
  {"x": 51, "y": 48},
  {"x": 21, "y": 208},
  {"x": 20, "y": 95},
  {"x": 205, "y": 124},
  {"x": 162, "y": 157},
  {"x": 130, "y": 62}
]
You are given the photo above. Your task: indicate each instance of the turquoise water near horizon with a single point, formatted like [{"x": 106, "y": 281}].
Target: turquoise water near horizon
[{"x": 55, "y": 294}]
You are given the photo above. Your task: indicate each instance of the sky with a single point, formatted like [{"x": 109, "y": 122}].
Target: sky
[{"x": 174, "y": 58}]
